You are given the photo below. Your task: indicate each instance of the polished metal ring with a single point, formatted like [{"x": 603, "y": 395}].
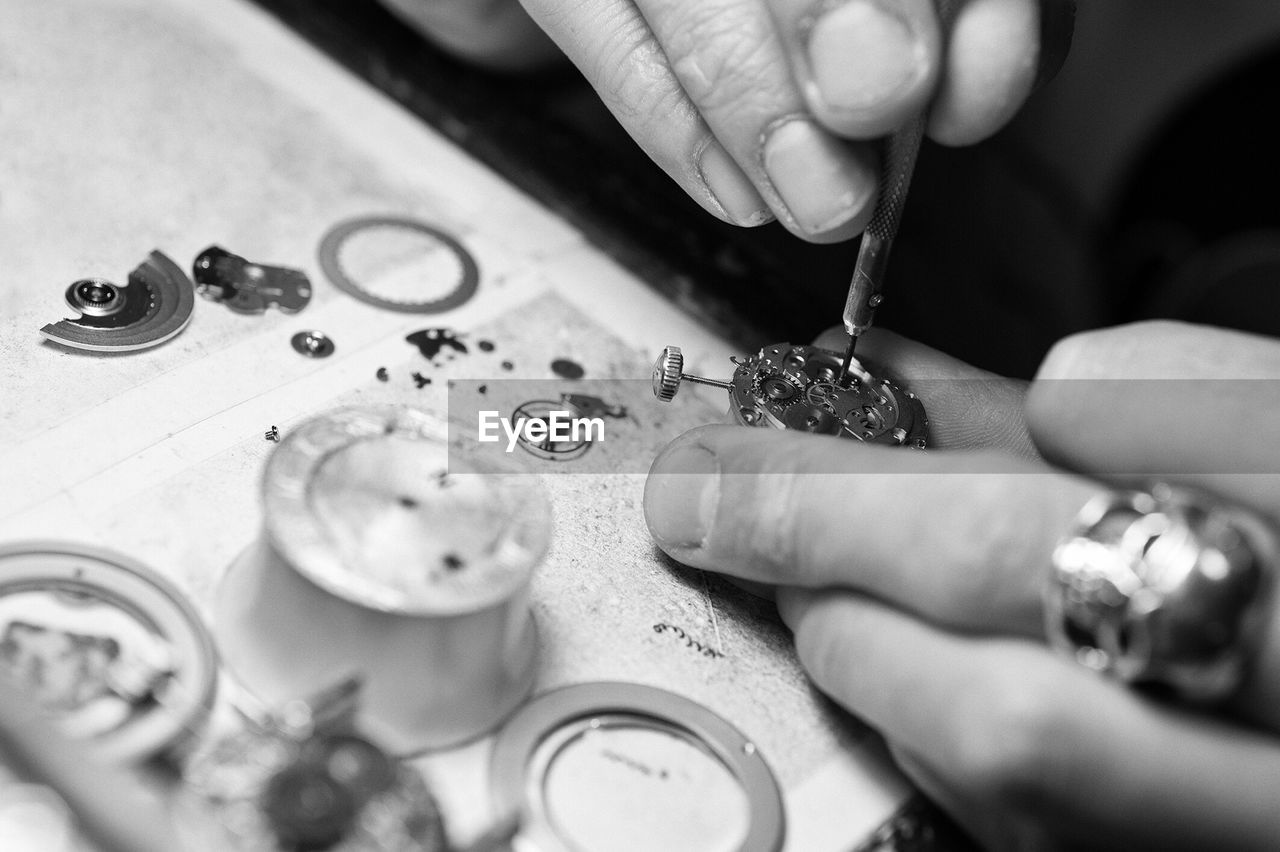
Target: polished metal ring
[{"x": 1163, "y": 587}]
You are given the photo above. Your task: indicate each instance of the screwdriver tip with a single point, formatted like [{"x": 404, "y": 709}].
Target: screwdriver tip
[{"x": 848, "y": 359}]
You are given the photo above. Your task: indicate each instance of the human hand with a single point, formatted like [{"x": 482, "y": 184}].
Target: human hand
[
  {"x": 913, "y": 583},
  {"x": 493, "y": 33},
  {"x": 746, "y": 103}
]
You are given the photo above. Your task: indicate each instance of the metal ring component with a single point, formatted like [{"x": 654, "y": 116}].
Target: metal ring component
[
  {"x": 246, "y": 287},
  {"x": 387, "y": 556},
  {"x": 96, "y": 297},
  {"x": 331, "y": 262},
  {"x": 112, "y": 649},
  {"x": 1162, "y": 587},
  {"x": 154, "y": 307},
  {"x": 313, "y": 344},
  {"x": 651, "y": 747}
]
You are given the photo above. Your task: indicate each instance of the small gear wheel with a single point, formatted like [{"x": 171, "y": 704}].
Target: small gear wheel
[
  {"x": 778, "y": 391},
  {"x": 821, "y": 393},
  {"x": 667, "y": 371}
]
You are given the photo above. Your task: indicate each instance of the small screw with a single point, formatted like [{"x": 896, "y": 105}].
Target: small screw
[
  {"x": 313, "y": 344},
  {"x": 272, "y": 434}
]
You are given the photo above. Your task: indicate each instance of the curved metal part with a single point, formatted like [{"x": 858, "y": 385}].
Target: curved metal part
[
  {"x": 157, "y": 305},
  {"x": 330, "y": 261},
  {"x": 163, "y": 669},
  {"x": 554, "y": 723},
  {"x": 247, "y": 287}
]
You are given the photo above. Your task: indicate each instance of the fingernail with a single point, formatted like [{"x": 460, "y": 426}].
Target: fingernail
[
  {"x": 821, "y": 182},
  {"x": 731, "y": 188},
  {"x": 681, "y": 496},
  {"x": 863, "y": 56}
]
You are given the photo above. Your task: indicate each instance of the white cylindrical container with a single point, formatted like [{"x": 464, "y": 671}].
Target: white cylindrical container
[{"x": 382, "y": 557}]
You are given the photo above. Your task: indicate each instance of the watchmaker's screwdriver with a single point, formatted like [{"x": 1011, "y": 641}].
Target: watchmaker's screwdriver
[{"x": 898, "y": 162}]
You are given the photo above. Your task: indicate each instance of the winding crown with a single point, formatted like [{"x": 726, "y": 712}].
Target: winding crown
[{"x": 666, "y": 373}]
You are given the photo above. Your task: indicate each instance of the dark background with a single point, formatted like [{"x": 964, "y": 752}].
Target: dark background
[{"x": 996, "y": 259}]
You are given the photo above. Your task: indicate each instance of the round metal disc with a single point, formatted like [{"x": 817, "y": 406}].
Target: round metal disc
[
  {"x": 96, "y": 297},
  {"x": 300, "y": 484},
  {"x": 330, "y": 261},
  {"x": 556, "y": 719},
  {"x": 54, "y": 587}
]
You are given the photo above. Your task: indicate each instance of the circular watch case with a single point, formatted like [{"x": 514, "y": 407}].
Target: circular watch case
[
  {"x": 304, "y": 476},
  {"x": 110, "y": 648},
  {"x": 795, "y": 387},
  {"x": 548, "y": 728}
]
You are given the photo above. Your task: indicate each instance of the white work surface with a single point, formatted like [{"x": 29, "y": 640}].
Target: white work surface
[{"x": 133, "y": 125}]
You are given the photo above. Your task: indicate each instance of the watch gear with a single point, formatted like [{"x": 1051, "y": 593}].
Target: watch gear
[{"x": 799, "y": 388}]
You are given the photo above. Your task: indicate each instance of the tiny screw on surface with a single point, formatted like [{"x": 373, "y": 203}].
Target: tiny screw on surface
[
  {"x": 272, "y": 434},
  {"x": 313, "y": 344}
]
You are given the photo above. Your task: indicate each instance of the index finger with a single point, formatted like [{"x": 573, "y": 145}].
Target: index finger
[
  {"x": 968, "y": 408},
  {"x": 1185, "y": 403}
]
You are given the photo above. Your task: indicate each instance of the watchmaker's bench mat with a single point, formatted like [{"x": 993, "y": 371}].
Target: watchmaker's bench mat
[{"x": 133, "y": 125}]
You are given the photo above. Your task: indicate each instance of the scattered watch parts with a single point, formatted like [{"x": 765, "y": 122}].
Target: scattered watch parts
[
  {"x": 795, "y": 387},
  {"x": 302, "y": 779},
  {"x": 155, "y": 306},
  {"x": 110, "y": 649},
  {"x": 313, "y": 344},
  {"x": 440, "y": 345},
  {"x": 432, "y": 342},
  {"x": 246, "y": 287},
  {"x": 586, "y": 762},
  {"x": 330, "y": 256}
]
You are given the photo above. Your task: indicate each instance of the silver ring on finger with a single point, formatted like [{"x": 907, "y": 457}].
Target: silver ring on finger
[{"x": 1163, "y": 587}]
